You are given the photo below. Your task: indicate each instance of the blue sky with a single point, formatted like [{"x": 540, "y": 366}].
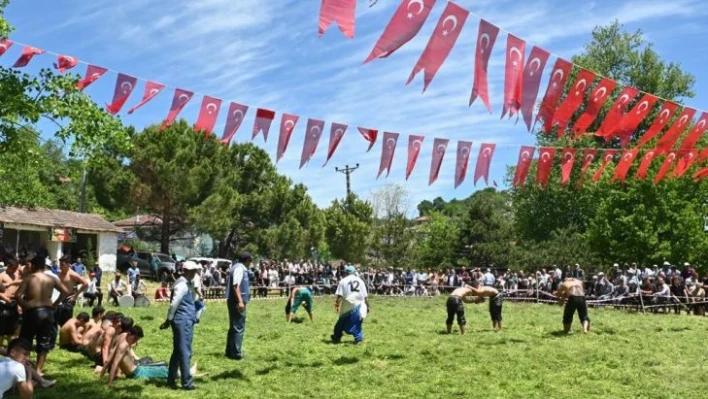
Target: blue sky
[{"x": 268, "y": 54}]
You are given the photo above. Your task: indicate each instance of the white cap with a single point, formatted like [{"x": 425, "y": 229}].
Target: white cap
[
  {"x": 2, "y": 264},
  {"x": 616, "y": 265},
  {"x": 191, "y": 265},
  {"x": 667, "y": 263},
  {"x": 686, "y": 264}
]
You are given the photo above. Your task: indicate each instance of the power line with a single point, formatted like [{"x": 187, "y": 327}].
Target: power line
[{"x": 347, "y": 171}]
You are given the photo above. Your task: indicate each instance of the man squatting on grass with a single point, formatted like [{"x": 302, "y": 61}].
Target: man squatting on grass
[
  {"x": 298, "y": 295},
  {"x": 572, "y": 293},
  {"x": 455, "y": 305}
]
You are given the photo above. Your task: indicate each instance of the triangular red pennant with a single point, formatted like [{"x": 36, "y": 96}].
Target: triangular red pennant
[
  {"x": 335, "y": 136},
  {"x": 28, "y": 52},
  {"x": 572, "y": 101},
  {"x": 533, "y": 72},
  {"x": 674, "y": 132},
  {"x": 607, "y": 157},
  {"x": 93, "y": 72},
  {"x": 696, "y": 132},
  {"x": 439, "y": 148},
  {"x": 668, "y": 163},
  {"x": 599, "y": 96},
  {"x": 484, "y": 160},
  {"x": 340, "y": 11},
  {"x": 486, "y": 37},
  {"x": 522, "y": 166},
  {"x": 513, "y": 74},
  {"x": 312, "y": 138},
  {"x": 264, "y": 118},
  {"x": 685, "y": 162},
  {"x": 65, "y": 62},
  {"x": 561, "y": 72},
  {"x": 369, "y": 135},
  {"x": 546, "y": 156},
  {"x": 234, "y": 118},
  {"x": 124, "y": 87},
  {"x": 624, "y": 164},
  {"x": 462, "y": 160},
  {"x": 589, "y": 155},
  {"x": 152, "y": 89},
  {"x": 388, "y": 150},
  {"x": 441, "y": 43},
  {"x": 179, "y": 100},
  {"x": 208, "y": 113},
  {"x": 567, "y": 162},
  {"x": 403, "y": 26},
  {"x": 287, "y": 125},
  {"x": 667, "y": 109},
  {"x": 414, "y": 144},
  {"x": 644, "y": 165},
  {"x": 610, "y": 126},
  {"x": 5, "y": 45},
  {"x": 629, "y": 123}
]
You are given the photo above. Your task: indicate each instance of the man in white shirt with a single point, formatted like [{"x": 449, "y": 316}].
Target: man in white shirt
[
  {"x": 13, "y": 373},
  {"x": 352, "y": 305},
  {"x": 117, "y": 288},
  {"x": 238, "y": 293},
  {"x": 93, "y": 292},
  {"x": 489, "y": 278}
]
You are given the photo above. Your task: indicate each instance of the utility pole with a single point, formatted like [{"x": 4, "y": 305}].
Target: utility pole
[
  {"x": 347, "y": 172},
  {"x": 82, "y": 199}
]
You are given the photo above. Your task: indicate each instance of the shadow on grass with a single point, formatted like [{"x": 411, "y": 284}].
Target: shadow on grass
[
  {"x": 298, "y": 320},
  {"x": 444, "y": 332},
  {"x": 147, "y": 317},
  {"x": 330, "y": 342},
  {"x": 230, "y": 375},
  {"x": 266, "y": 370},
  {"x": 559, "y": 333},
  {"x": 505, "y": 341},
  {"x": 344, "y": 360}
]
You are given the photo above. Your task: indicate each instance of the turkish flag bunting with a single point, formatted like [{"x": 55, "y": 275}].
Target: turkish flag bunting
[
  {"x": 403, "y": 26},
  {"x": 264, "y": 118},
  {"x": 340, "y": 11},
  {"x": 567, "y": 162},
  {"x": 572, "y": 101},
  {"x": 28, "y": 52},
  {"x": 439, "y": 148},
  {"x": 65, "y": 62},
  {"x": 152, "y": 89},
  {"x": 668, "y": 163},
  {"x": 5, "y": 45},
  {"x": 179, "y": 100},
  {"x": 610, "y": 126},
  {"x": 414, "y": 144},
  {"x": 369, "y": 135},
  {"x": 388, "y": 150},
  {"x": 513, "y": 74},
  {"x": 702, "y": 155},
  {"x": 674, "y": 132},
  {"x": 93, "y": 72},
  {"x": 441, "y": 43},
  {"x": 599, "y": 96},
  {"x": 208, "y": 113},
  {"x": 607, "y": 157},
  {"x": 630, "y": 121},
  {"x": 335, "y": 136},
  {"x": 484, "y": 160},
  {"x": 700, "y": 175},
  {"x": 644, "y": 165},
  {"x": 685, "y": 162},
  {"x": 462, "y": 160},
  {"x": 532, "y": 82},
  {"x": 667, "y": 109},
  {"x": 624, "y": 164},
  {"x": 589, "y": 155},
  {"x": 124, "y": 87},
  {"x": 312, "y": 139},
  {"x": 696, "y": 133},
  {"x": 287, "y": 124},
  {"x": 486, "y": 38},
  {"x": 522, "y": 166},
  {"x": 545, "y": 163},
  {"x": 561, "y": 72},
  {"x": 234, "y": 118}
]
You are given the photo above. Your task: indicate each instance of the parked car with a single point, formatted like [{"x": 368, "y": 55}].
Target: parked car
[{"x": 153, "y": 265}]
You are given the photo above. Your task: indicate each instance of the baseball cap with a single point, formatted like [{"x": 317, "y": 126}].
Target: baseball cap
[
  {"x": 350, "y": 269},
  {"x": 686, "y": 264},
  {"x": 191, "y": 265},
  {"x": 667, "y": 263}
]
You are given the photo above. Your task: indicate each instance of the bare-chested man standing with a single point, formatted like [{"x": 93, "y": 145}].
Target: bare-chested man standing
[
  {"x": 71, "y": 280},
  {"x": 496, "y": 300},
  {"x": 9, "y": 314},
  {"x": 35, "y": 298},
  {"x": 571, "y": 292},
  {"x": 455, "y": 306}
]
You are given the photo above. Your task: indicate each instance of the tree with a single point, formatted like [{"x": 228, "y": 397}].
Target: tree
[
  {"x": 436, "y": 242},
  {"x": 348, "y": 225},
  {"x": 392, "y": 233}
]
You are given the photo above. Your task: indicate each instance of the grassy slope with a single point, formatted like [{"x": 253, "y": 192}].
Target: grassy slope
[{"x": 406, "y": 354}]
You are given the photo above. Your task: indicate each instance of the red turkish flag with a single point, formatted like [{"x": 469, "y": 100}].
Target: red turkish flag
[
  {"x": 610, "y": 126},
  {"x": 65, "y": 62},
  {"x": 700, "y": 175},
  {"x": 589, "y": 155},
  {"x": 234, "y": 118},
  {"x": 567, "y": 162},
  {"x": 545, "y": 163},
  {"x": 152, "y": 89},
  {"x": 644, "y": 165},
  {"x": 667, "y": 109},
  {"x": 414, "y": 144},
  {"x": 702, "y": 155},
  {"x": 287, "y": 124},
  {"x": 513, "y": 74},
  {"x": 599, "y": 96},
  {"x": 532, "y": 81},
  {"x": 668, "y": 163},
  {"x": 674, "y": 132},
  {"x": 369, "y": 135},
  {"x": 561, "y": 72},
  {"x": 439, "y": 148},
  {"x": 522, "y": 166},
  {"x": 335, "y": 136},
  {"x": 28, "y": 52},
  {"x": 179, "y": 100},
  {"x": 403, "y": 26},
  {"x": 124, "y": 87},
  {"x": 607, "y": 157},
  {"x": 486, "y": 38},
  {"x": 264, "y": 118},
  {"x": 5, "y": 45},
  {"x": 484, "y": 160},
  {"x": 440, "y": 44},
  {"x": 93, "y": 72},
  {"x": 208, "y": 113},
  {"x": 572, "y": 101},
  {"x": 340, "y": 11},
  {"x": 685, "y": 162},
  {"x": 387, "y": 152},
  {"x": 312, "y": 139},
  {"x": 462, "y": 160},
  {"x": 635, "y": 116},
  {"x": 696, "y": 133},
  {"x": 624, "y": 164}
]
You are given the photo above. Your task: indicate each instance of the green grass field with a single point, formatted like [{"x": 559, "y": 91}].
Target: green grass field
[{"x": 406, "y": 354}]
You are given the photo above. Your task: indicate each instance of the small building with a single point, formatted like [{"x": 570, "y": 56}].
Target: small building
[{"x": 59, "y": 233}]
